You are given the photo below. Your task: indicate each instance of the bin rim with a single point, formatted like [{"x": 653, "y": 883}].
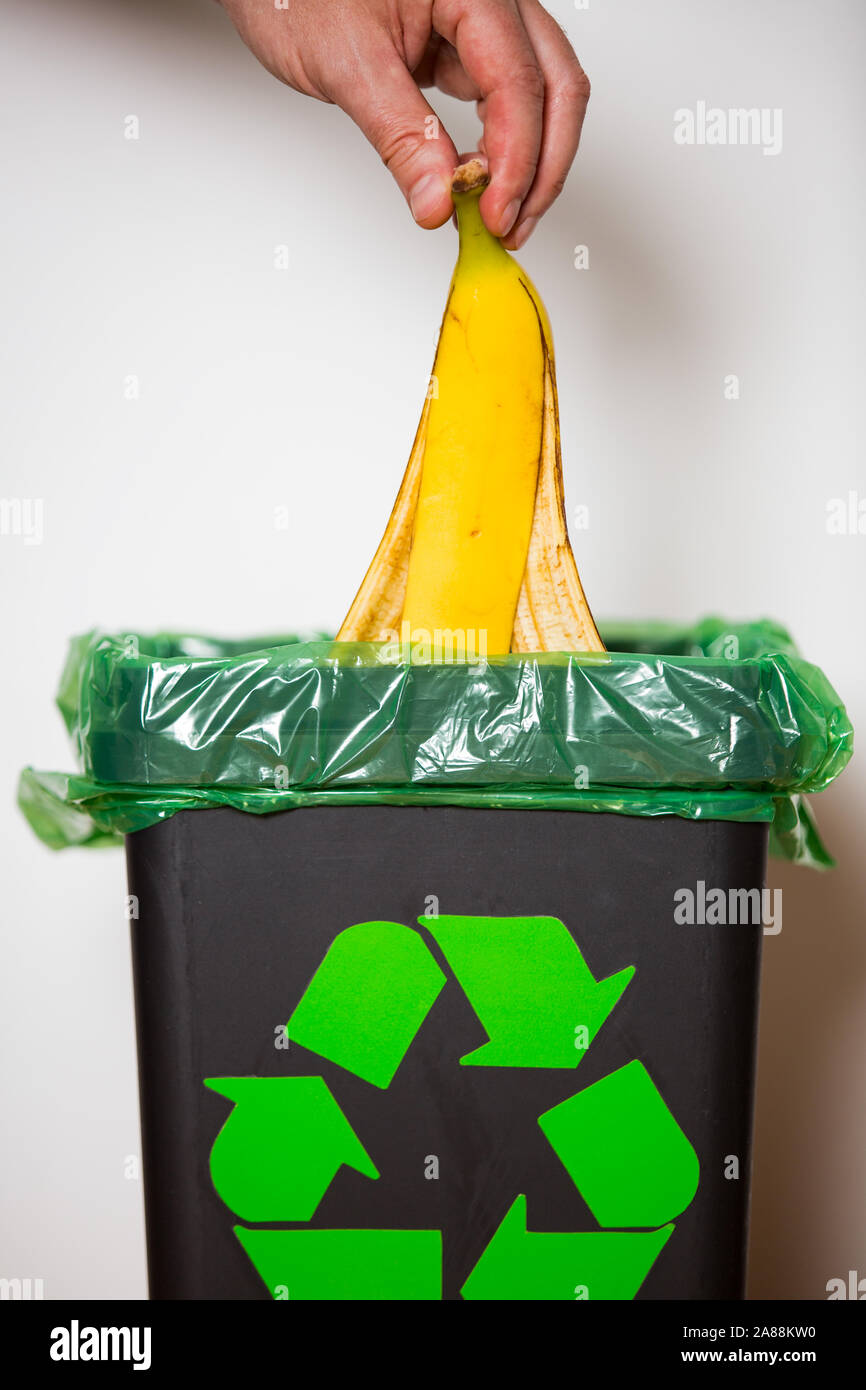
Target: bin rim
[{"x": 717, "y": 720}]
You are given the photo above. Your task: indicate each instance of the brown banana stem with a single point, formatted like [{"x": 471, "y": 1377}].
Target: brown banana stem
[{"x": 469, "y": 176}]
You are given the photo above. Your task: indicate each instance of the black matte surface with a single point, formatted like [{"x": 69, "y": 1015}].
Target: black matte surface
[{"x": 237, "y": 911}]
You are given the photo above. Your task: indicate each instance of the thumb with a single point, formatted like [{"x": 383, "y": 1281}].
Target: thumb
[{"x": 406, "y": 131}]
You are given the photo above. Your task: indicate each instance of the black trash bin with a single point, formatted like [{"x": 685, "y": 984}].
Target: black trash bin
[
  {"x": 446, "y": 976},
  {"x": 236, "y": 916}
]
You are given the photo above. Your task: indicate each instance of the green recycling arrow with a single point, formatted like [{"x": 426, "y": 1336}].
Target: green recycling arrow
[
  {"x": 335, "y": 1265},
  {"x": 541, "y": 1006},
  {"x": 519, "y": 1264},
  {"x": 282, "y": 1144},
  {"x": 527, "y": 981},
  {"x": 368, "y": 999},
  {"x": 623, "y": 1150}
]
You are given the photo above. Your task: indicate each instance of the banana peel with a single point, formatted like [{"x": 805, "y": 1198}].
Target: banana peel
[
  {"x": 552, "y": 612},
  {"x": 377, "y": 607},
  {"x": 477, "y": 542}
]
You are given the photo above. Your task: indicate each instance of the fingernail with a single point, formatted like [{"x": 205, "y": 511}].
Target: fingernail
[
  {"x": 425, "y": 199},
  {"x": 509, "y": 216},
  {"x": 524, "y": 232}
]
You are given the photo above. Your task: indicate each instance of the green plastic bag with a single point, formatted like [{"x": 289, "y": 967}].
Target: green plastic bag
[{"x": 720, "y": 721}]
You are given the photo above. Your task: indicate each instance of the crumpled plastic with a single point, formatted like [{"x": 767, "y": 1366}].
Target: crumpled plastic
[{"x": 717, "y": 721}]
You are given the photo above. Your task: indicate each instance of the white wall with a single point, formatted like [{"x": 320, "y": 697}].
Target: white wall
[{"x": 262, "y": 387}]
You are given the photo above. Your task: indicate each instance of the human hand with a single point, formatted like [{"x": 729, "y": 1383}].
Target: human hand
[{"x": 372, "y": 57}]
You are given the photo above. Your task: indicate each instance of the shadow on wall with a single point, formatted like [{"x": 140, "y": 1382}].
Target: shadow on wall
[{"x": 810, "y": 1133}]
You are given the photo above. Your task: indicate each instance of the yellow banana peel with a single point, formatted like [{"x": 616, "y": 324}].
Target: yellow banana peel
[{"x": 476, "y": 555}]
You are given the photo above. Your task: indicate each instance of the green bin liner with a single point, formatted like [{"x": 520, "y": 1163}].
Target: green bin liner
[{"x": 721, "y": 720}]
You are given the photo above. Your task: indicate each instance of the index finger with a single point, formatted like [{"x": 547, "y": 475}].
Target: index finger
[
  {"x": 565, "y": 100},
  {"x": 497, "y": 55}
]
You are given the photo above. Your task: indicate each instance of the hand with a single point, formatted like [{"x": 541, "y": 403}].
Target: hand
[{"x": 371, "y": 57}]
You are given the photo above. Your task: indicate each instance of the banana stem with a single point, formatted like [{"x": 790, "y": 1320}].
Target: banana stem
[
  {"x": 467, "y": 185},
  {"x": 469, "y": 177}
]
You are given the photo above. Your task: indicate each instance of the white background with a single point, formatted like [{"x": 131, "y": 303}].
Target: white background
[{"x": 262, "y": 388}]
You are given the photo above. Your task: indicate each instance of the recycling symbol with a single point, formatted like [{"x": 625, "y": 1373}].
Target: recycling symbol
[{"x": 287, "y": 1137}]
